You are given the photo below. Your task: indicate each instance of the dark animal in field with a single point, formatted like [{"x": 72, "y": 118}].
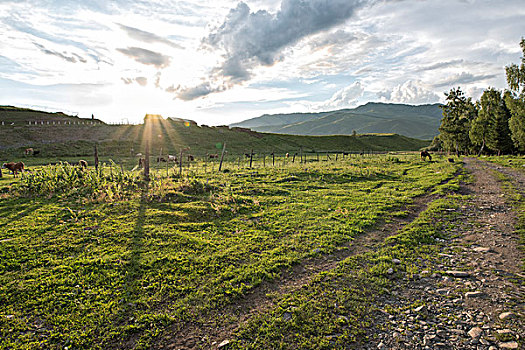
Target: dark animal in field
[
  {"x": 191, "y": 158},
  {"x": 29, "y": 151},
  {"x": 141, "y": 162},
  {"x": 36, "y": 152},
  {"x": 212, "y": 156},
  {"x": 451, "y": 160},
  {"x": 425, "y": 154},
  {"x": 14, "y": 167},
  {"x": 161, "y": 159},
  {"x": 83, "y": 164},
  {"x": 172, "y": 158},
  {"x": 287, "y": 155}
]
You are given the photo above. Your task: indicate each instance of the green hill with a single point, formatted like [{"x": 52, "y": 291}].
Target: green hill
[
  {"x": 77, "y": 138},
  {"x": 420, "y": 122}
]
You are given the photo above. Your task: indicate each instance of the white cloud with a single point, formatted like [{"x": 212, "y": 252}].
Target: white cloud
[
  {"x": 346, "y": 97},
  {"x": 410, "y": 92}
]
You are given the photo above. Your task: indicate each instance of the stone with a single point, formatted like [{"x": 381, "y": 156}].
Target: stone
[
  {"x": 381, "y": 345},
  {"x": 476, "y": 294},
  {"x": 482, "y": 249},
  {"x": 224, "y": 344},
  {"x": 396, "y": 261},
  {"x": 390, "y": 271},
  {"x": 508, "y": 345},
  {"x": 460, "y": 274},
  {"x": 287, "y": 316},
  {"x": 475, "y": 332},
  {"x": 507, "y": 316}
]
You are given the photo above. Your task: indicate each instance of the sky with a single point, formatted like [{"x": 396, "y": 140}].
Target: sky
[{"x": 219, "y": 61}]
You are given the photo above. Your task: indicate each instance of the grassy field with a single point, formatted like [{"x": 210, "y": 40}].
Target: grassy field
[{"x": 104, "y": 260}]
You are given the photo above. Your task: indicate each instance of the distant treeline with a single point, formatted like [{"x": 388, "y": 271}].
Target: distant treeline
[{"x": 493, "y": 125}]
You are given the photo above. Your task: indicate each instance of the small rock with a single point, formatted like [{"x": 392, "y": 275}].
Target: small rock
[
  {"x": 482, "y": 249},
  {"x": 508, "y": 345},
  {"x": 504, "y": 331},
  {"x": 390, "y": 271},
  {"x": 475, "y": 332},
  {"x": 476, "y": 294},
  {"x": 224, "y": 344},
  {"x": 421, "y": 309},
  {"x": 381, "y": 345},
  {"x": 287, "y": 316},
  {"x": 396, "y": 261},
  {"x": 460, "y": 274},
  {"x": 507, "y": 316}
]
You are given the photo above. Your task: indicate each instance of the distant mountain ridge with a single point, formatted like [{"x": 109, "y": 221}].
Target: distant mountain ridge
[{"x": 421, "y": 121}]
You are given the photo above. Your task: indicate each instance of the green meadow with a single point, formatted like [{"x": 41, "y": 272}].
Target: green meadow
[{"x": 103, "y": 259}]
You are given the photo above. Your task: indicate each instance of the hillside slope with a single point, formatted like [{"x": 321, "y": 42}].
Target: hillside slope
[
  {"x": 172, "y": 135},
  {"x": 413, "y": 121}
]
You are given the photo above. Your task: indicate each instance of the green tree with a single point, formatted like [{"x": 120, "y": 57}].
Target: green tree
[
  {"x": 479, "y": 129},
  {"x": 515, "y": 100},
  {"x": 458, "y": 113},
  {"x": 494, "y": 112}
]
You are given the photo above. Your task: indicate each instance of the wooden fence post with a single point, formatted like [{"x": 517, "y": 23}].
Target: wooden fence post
[
  {"x": 273, "y": 158},
  {"x": 146, "y": 162},
  {"x": 96, "y": 158},
  {"x": 222, "y": 156},
  {"x": 293, "y": 158},
  {"x": 251, "y": 158},
  {"x": 180, "y": 163}
]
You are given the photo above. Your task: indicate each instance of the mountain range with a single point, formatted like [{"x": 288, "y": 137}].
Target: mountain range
[{"x": 421, "y": 121}]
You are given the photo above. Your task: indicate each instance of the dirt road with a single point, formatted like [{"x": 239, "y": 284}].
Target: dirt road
[{"x": 481, "y": 308}]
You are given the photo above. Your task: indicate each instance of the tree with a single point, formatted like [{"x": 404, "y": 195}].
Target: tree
[
  {"x": 458, "y": 114},
  {"x": 479, "y": 130},
  {"x": 516, "y": 74},
  {"x": 515, "y": 100},
  {"x": 495, "y": 112}
]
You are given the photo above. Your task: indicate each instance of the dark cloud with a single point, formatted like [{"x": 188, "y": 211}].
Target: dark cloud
[
  {"x": 251, "y": 39},
  {"x": 192, "y": 93},
  {"x": 73, "y": 58},
  {"x": 147, "y": 37},
  {"x": 440, "y": 65},
  {"x": 146, "y": 56},
  {"x": 464, "y": 78},
  {"x": 142, "y": 81}
]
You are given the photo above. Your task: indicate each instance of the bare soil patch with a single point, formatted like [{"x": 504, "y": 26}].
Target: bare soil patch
[{"x": 484, "y": 307}]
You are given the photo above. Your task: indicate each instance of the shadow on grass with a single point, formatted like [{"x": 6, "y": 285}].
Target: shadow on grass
[
  {"x": 132, "y": 273},
  {"x": 16, "y": 209}
]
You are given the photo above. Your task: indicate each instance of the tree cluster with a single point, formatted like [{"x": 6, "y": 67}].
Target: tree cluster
[{"x": 495, "y": 124}]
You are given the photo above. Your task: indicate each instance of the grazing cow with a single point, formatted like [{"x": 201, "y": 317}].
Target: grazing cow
[
  {"x": 287, "y": 155},
  {"x": 212, "y": 156},
  {"x": 191, "y": 158},
  {"x": 29, "y": 151},
  {"x": 14, "y": 167},
  {"x": 36, "y": 152},
  {"x": 425, "y": 154},
  {"x": 142, "y": 161},
  {"x": 83, "y": 164},
  {"x": 172, "y": 158},
  {"x": 161, "y": 159}
]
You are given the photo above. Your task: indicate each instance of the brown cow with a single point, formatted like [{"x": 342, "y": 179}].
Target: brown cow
[
  {"x": 14, "y": 167},
  {"x": 425, "y": 154},
  {"x": 29, "y": 151},
  {"x": 83, "y": 164},
  {"x": 212, "y": 156}
]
